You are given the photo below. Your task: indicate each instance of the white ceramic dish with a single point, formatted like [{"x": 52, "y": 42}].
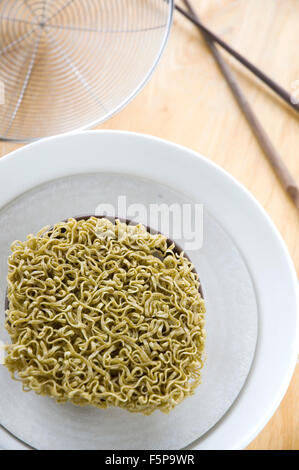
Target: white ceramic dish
[{"x": 252, "y": 232}]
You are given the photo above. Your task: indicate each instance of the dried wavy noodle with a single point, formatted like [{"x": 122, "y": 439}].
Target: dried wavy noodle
[{"x": 104, "y": 314}]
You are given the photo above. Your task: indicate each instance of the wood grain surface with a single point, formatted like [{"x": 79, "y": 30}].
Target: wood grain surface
[{"x": 188, "y": 102}]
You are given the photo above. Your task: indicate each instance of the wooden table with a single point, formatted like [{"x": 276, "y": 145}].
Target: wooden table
[{"x": 188, "y": 102}]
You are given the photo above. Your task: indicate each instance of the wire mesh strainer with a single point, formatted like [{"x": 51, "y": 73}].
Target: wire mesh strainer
[{"x": 70, "y": 64}]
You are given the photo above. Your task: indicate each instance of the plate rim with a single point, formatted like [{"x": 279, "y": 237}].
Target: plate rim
[{"x": 208, "y": 441}]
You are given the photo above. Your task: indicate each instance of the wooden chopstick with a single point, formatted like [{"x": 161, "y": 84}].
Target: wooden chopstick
[
  {"x": 274, "y": 158},
  {"x": 285, "y": 95}
]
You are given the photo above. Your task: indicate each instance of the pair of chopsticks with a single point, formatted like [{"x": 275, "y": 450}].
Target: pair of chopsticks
[{"x": 274, "y": 158}]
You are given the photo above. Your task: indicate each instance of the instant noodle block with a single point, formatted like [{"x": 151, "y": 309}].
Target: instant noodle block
[{"x": 104, "y": 314}]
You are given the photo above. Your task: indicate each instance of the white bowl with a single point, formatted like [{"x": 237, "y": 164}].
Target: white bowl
[{"x": 232, "y": 207}]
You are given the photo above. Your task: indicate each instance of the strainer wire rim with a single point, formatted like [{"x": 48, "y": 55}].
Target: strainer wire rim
[{"x": 123, "y": 103}]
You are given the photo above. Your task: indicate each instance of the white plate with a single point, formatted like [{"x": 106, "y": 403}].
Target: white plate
[{"x": 249, "y": 239}]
